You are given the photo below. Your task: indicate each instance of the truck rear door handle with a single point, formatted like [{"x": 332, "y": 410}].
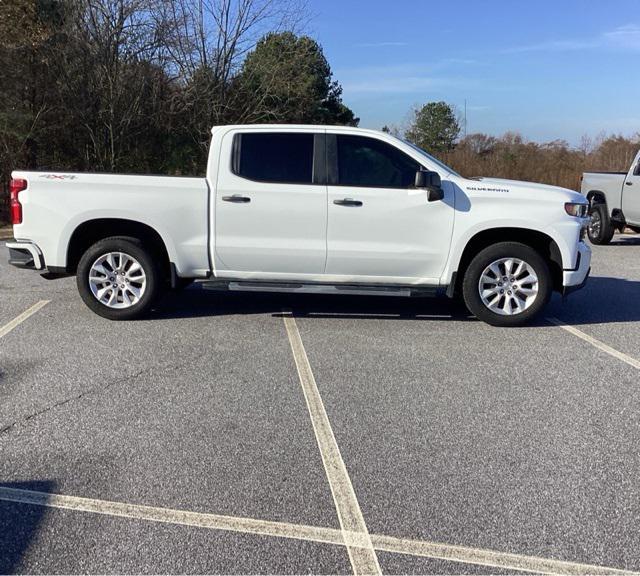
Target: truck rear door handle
[
  {"x": 348, "y": 202},
  {"x": 237, "y": 199},
  {"x": 629, "y": 183}
]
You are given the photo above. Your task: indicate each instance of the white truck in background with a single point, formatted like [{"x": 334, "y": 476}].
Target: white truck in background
[
  {"x": 614, "y": 200},
  {"x": 315, "y": 209}
]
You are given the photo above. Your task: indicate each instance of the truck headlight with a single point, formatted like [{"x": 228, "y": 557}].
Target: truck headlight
[{"x": 576, "y": 209}]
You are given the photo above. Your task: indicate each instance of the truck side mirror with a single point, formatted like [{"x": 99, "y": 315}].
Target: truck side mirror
[{"x": 431, "y": 181}]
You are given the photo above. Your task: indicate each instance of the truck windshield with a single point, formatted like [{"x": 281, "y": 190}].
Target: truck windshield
[{"x": 431, "y": 158}]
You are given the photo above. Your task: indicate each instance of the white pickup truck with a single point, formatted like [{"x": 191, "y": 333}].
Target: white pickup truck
[
  {"x": 614, "y": 198},
  {"x": 319, "y": 209}
]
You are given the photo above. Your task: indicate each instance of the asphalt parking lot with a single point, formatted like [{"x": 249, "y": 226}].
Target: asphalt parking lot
[{"x": 247, "y": 433}]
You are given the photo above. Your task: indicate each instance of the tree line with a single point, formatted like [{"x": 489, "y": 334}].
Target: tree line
[
  {"x": 436, "y": 128},
  {"x": 136, "y": 85},
  {"x": 557, "y": 163}
]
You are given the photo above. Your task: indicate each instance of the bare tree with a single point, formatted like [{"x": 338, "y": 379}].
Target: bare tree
[
  {"x": 25, "y": 37},
  {"x": 217, "y": 34},
  {"x": 206, "y": 42},
  {"x": 116, "y": 45}
]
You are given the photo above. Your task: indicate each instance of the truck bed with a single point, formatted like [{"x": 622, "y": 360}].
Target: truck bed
[
  {"x": 176, "y": 207},
  {"x": 608, "y": 183}
]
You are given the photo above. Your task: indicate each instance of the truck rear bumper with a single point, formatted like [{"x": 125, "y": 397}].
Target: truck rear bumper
[
  {"x": 25, "y": 255},
  {"x": 575, "y": 279}
]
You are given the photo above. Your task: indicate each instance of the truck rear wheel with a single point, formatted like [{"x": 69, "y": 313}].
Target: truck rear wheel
[
  {"x": 118, "y": 279},
  {"x": 507, "y": 284},
  {"x": 600, "y": 230}
]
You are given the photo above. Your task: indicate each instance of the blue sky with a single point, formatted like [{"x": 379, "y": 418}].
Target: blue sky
[{"x": 547, "y": 69}]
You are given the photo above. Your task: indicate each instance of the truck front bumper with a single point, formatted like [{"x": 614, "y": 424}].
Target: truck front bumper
[
  {"x": 576, "y": 278},
  {"x": 25, "y": 255}
]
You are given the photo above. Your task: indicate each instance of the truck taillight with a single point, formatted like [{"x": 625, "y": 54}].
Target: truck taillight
[{"x": 16, "y": 186}]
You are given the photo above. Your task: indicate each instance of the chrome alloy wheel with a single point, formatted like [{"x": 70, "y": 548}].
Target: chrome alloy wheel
[
  {"x": 595, "y": 225},
  {"x": 117, "y": 280},
  {"x": 508, "y": 286}
]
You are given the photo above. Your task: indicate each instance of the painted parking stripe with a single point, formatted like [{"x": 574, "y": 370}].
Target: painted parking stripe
[
  {"x": 461, "y": 554},
  {"x": 363, "y": 559},
  {"x": 4, "y": 330},
  {"x": 597, "y": 343},
  {"x": 489, "y": 558},
  {"x": 170, "y": 516}
]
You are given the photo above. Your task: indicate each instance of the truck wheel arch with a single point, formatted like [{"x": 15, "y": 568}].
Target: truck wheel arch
[
  {"x": 92, "y": 231},
  {"x": 615, "y": 216},
  {"x": 596, "y": 197},
  {"x": 539, "y": 241}
]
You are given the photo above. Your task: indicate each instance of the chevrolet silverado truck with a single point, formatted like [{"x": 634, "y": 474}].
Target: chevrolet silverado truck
[
  {"x": 614, "y": 201},
  {"x": 312, "y": 209}
]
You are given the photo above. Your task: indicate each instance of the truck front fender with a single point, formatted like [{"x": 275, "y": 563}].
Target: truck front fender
[{"x": 559, "y": 246}]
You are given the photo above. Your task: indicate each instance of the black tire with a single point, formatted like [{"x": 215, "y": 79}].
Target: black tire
[
  {"x": 601, "y": 230},
  {"x": 131, "y": 247},
  {"x": 471, "y": 281}
]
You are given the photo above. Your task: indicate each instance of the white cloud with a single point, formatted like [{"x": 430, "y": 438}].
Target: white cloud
[
  {"x": 412, "y": 78},
  {"x": 464, "y": 61},
  {"x": 553, "y": 46},
  {"x": 404, "y": 85},
  {"x": 625, "y": 38},
  {"x": 382, "y": 44}
]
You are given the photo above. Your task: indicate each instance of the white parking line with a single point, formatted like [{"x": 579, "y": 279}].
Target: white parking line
[
  {"x": 170, "y": 516},
  {"x": 4, "y": 330},
  {"x": 461, "y": 554},
  {"x": 363, "y": 559},
  {"x": 597, "y": 343},
  {"x": 490, "y": 558}
]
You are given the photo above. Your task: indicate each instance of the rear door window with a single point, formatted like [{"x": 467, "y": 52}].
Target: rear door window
[{"x": 279, "y": 157}]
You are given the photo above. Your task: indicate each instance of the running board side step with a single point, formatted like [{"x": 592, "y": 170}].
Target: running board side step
[{"x": 302, "y": 288}]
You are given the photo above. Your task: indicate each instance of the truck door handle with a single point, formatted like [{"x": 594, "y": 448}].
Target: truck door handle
[
  {"x": 348, "y": 202},
  {"x": 237, "y": 199},
  {"x": 629, "y": 183}
]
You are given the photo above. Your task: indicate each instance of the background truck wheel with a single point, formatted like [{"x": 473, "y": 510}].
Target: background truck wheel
[
  {"x": 507, "y": 284},
  {"x": 118, "y": 279},
  {"x": 600, "y": 230}
]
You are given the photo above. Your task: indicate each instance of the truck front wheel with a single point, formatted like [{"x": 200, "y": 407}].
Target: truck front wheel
[
  {"x": 507, "y": 284},
  {"x": 118, "y": 279},
  {"x": 600, "y": 230}
]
